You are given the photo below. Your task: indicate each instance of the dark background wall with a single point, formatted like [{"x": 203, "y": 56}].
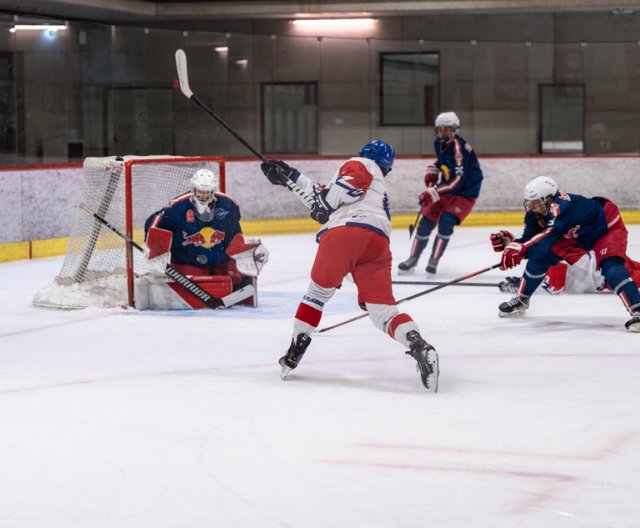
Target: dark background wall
[{"x": 98, "y": 89}]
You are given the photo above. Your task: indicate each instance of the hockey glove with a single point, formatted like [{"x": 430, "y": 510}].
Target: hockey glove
[
  {"x": 250, "y": 255},
  {"x": 512, "y": 255},
  {"x": 430, "y": 195},
  {"x": 321, "y": 210},
  {"x": 431, "y": 176},
  {"x": 278, "y": 172},
  {"x": 501, "y": 240}
]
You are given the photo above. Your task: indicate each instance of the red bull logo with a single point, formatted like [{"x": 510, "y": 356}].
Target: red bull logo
[{"x": 207, "y": 237}]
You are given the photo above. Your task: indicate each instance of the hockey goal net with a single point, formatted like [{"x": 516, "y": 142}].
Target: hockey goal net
[{"x": 100, "y": 266}]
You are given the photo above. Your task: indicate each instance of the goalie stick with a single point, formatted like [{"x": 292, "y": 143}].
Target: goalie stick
[
  {"x": 183, "y": 77},
  {"x": 179, "y": 278},
  {"x": 416, "y": 295}
]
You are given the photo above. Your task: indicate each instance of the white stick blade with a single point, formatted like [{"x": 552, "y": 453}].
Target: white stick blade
[{"x": 183, "y": 76}]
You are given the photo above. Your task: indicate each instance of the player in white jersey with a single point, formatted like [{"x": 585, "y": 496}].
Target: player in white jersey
[{"x": 354, "y": 239}]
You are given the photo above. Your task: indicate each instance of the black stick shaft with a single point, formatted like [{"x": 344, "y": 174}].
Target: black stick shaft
[
  {"x": 413, "y": 226},
  {"x": 416, "y": 295},
  {"x": 437, "y": 283},
  {"x": 224, "y": 125}
]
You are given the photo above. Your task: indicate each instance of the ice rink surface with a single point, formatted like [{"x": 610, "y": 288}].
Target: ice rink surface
[{"x": 118, "y": 418}]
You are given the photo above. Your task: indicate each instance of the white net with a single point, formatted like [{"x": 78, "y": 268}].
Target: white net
[{"x": 95, "y": 271}]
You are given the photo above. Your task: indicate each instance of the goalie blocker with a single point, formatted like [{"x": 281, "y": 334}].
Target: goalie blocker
[{"x": 155, "y": 291}]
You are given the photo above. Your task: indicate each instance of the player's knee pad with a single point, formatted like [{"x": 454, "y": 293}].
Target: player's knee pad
[
  {"x": 317, "y": 295},
  {"x": 448, "y": 221},
  {"x": 425, "y": 226}
]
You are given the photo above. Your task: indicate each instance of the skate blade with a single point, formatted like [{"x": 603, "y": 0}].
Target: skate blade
[
  {"x": 432, "y": 379},
  {"x": 434, "y": 362},
  {"x": 284, "y": 372},
  {"x": 406, "y": 272},
  {"x": 507, "y": 315},
  {"x": 634, "y": 327}
]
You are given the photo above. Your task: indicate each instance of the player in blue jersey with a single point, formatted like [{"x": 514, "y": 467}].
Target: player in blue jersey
[
  {"x": 453, "y": 185},
  {"x": 561, "y": 226},
  {"x": 199, "y": 232}
]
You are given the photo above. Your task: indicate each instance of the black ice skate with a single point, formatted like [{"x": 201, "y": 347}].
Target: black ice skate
[
  {"x": 509, "y": 285},
  {"x": 633, "y": 324},
  {"x": 427, "y": 360},
  {"x": 432, "y": 265},
  {"x": 409, "y": 264},
  {"x": 514, "y": 307},
  {"x": 293, "y": 356}
]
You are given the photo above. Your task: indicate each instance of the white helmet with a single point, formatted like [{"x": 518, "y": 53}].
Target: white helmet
[
  {"x": 205, "y": 184},
  {"x": 447, "y": 119},
  {"x": 541, "y": 188}
]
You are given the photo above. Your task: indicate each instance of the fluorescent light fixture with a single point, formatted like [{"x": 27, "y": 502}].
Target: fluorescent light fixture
[
  {"x": 37, "y": 27},
  {"x": 334, "y": 23},
  {"x": 242, "y": 62},
  {"x": 221, "y": 49}
]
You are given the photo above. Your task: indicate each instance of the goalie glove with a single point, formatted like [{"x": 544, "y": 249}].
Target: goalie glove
[
  {"x": 501, "y": 240},
  {"x": 157, "y": 250},
  {"x": 321, "y": 210},
  {"x": 249, "y": 254},
  {"x": 278, "y": 172}
]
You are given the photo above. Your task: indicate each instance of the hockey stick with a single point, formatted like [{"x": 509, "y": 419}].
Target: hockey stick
[
  {"x": 415, "y": 223},
  {"x": 416, "y": 295},
  {"x": 183, "y": 76},
  {"x": 437, "y": 283},
  {"x": 179, "y": 278}
]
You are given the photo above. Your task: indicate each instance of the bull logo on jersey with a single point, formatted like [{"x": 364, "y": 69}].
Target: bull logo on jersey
[{"x": 207, "y": 237}]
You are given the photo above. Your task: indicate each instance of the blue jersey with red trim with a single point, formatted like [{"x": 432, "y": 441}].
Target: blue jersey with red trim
[
  {"x": 465, "y": 175},
  {"x": 196, "y": 242},
  {"x": 570, "y": 216}
]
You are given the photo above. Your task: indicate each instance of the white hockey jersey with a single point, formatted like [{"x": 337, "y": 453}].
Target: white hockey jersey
[{"x": 358, "y": 194}]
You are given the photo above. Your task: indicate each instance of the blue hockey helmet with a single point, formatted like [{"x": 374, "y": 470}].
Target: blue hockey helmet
[{"x": 380, "y": 152}]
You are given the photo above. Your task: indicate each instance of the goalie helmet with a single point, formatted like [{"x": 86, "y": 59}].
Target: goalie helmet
[
  {"x": 380, "y": 152},
  {"x": 539, "y": 193},
  {"x": 443, "y": 121},
  {"x": 205, "y": 184}
]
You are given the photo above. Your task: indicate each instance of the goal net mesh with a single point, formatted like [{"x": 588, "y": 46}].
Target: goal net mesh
[{"x": 125, "y": 192}]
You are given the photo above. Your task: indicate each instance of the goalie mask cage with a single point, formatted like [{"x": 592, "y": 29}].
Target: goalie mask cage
[{"x": 100, "y": 266}]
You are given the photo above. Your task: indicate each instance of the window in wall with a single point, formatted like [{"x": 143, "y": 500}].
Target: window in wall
[
  {"x": 11, "y": 107},
  {"x": 410, "y": 85},
  {"x": 290, "y": 118},
  {"x": 140, "y": 121},
  {"x": 561, "y": 118}
]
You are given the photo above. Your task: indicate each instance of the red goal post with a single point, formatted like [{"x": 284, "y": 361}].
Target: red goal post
[{"x": 100, "y": 267}]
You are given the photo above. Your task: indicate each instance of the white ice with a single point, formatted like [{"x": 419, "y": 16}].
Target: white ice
[{"x": 118, "y": 418}]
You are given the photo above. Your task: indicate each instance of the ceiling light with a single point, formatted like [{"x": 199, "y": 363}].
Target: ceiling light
[
  {"x": 221, "y": 49},
  {"x": 37, "y": 27},
  {"x": 334, "y": 23}
]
